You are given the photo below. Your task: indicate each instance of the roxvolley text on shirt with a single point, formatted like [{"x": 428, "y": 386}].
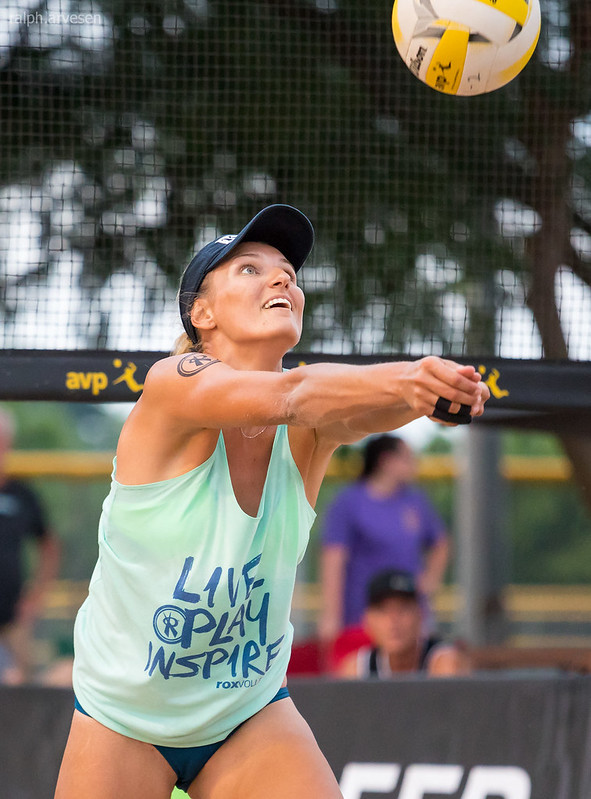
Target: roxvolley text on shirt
[{"x": 195, "y": 640}]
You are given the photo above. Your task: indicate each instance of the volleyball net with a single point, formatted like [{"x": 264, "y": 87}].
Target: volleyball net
[{"x": 133, "y": 133}]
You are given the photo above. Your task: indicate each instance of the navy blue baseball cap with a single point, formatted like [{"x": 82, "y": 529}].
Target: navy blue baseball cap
[
  {"x": 391, "y": 583},
  {"x": 281, "y": 226}
]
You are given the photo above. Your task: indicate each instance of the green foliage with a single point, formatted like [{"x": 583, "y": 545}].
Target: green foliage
[
  {"x": 43, "y": 425},
  {"x": 516, "y": 442},
  {"x": 438, "y": 445},
  {"x": 548, "y": 525},
  {"x": 72, "y": 507},
  {"x": 550, "y": 535},
  {"x": 62, "y": 425}
]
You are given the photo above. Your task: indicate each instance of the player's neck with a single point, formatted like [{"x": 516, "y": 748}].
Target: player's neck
[
  {"x": 250, "y": 357},
  {"x": 246, "y": 350}
]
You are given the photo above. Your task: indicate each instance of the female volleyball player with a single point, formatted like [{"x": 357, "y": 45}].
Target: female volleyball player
[{"x": 183, "y": 644}]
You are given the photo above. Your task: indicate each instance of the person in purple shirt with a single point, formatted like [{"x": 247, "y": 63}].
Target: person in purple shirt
[{"x": 379, "y": 522}]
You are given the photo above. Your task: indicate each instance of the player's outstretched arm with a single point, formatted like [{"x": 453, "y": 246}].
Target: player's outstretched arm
[
  {"x": 426, "y": 377},
  {"x": 205, "y": 393}
]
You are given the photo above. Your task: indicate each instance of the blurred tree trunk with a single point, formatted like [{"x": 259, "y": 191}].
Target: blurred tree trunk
[{"x": 551, "y": 247}]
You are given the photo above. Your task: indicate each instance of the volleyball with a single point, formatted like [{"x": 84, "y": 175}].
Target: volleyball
[{"x": 466, "y": 47}]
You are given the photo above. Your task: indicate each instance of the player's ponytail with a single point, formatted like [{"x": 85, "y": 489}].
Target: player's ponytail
[{"x": 183, "y": 344}]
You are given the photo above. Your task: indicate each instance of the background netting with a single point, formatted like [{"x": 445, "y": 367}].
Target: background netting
[{"x": 131, "y": 133}]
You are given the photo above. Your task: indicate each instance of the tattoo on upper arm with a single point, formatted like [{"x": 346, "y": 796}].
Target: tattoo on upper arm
[{"x": 193, "y": 363}]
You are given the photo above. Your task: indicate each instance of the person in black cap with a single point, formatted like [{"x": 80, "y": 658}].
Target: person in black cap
[
  {"x": 393, "y": 622},
  {"x": 23, "y": 524},
  {"x": 182, "y": 647}
]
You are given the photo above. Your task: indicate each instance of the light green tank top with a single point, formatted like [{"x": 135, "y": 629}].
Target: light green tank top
[{"x": 185, "y": 632}]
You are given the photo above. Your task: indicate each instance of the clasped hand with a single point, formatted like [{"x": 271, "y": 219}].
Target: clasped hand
[{"x": 445, "y": 391}]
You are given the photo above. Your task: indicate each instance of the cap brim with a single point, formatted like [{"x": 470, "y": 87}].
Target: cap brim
[
  {"x": 281, "y": 226},
  {"x": 381, "y": 597}
]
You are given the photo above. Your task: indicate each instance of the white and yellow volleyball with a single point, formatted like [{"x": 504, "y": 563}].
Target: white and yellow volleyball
[{"x": 466, "y": 47}]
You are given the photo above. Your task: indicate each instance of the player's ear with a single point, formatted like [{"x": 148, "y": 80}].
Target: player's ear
[{"x": 202, "y": 315}]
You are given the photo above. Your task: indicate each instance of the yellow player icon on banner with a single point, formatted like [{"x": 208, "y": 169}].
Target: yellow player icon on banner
[
  {"x": 128, "y": 376},
  {"x": 491, "y": 381}
]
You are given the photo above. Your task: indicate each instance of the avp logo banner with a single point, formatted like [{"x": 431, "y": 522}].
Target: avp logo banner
[
  {"x": 97, "y": 382},
  {"x": 421, "y": 780}
]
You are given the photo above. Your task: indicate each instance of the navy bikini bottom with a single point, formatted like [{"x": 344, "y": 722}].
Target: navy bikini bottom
[{"x": 188, "y": 761}]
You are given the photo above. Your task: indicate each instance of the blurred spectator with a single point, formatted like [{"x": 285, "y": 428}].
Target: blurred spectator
[
  {"x": 58, "y": 674},
  {"x": 392, "y": 621},
  {"x": 21, "y": 600},
  {"x": 381, "y": 521}
]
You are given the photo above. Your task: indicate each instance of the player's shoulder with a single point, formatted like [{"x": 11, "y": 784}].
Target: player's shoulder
[
  {"x": 172, "y": 377},
  {"x": 187, "y": 364}
]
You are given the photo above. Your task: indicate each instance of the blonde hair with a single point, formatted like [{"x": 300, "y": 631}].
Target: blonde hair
[{"x": 183, "y": 345}]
